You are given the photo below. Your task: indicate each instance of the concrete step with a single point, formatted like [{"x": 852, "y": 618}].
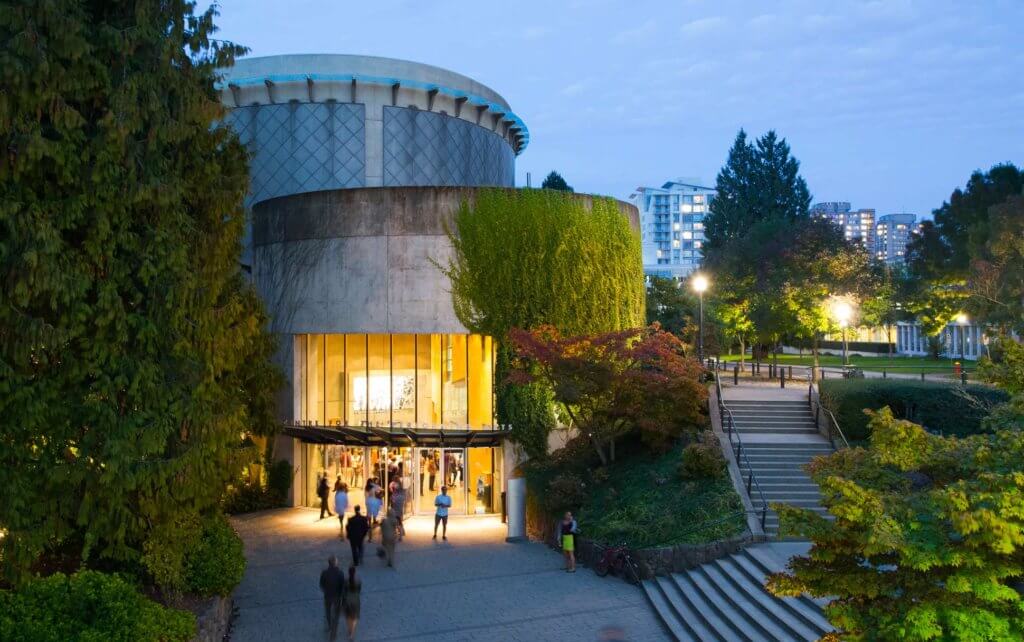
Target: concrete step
[
  {"x": 705, "y": 624},
  {"x": 725, "y": 621},
  {"x": 666, "y": 612},
  {"x": 777, "y": 431},
  {"x": 810, "y": 449},
  {"x": 783, "y": 625}
]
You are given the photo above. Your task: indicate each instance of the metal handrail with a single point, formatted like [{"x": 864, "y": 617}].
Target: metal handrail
[
  {"x": 741, "y": 455},
  {"x": 832, "y": 425}
]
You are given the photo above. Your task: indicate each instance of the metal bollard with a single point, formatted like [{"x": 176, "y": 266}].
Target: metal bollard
[
  {"x": 922, "y": 375},
  {"x": 735, "y": 375},
  {"x": 782, "y": 378},
  {"x": 883, "y": 374},
  {"x": 791, "y": 373},
  {"x": 963, "y": 377}
]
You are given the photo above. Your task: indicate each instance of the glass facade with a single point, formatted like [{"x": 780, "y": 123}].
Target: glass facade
[{"x": 426, "y": 380}]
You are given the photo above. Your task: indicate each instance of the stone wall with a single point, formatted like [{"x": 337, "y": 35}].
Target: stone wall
[{"x": 213, "y": 623}]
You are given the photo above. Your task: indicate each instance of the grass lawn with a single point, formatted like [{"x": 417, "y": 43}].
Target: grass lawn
[
  {"x": 896, "y": 364},
  {"x": 644, "y": 503}
]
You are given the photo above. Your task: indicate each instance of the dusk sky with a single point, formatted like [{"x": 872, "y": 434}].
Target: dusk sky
[{"x": 887, "y": 104}]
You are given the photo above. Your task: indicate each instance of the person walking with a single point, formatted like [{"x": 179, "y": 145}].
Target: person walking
[
  {"x": 358, "y": 527},
  {"x": 398, "y": 504},
  {"x": 352, "y": 605},
  {"x": 373, "y": 504},
  {"x": 432, "y": 471},
  {"x": 567, "y": 528},
  {"x": 341, "y": 506},
  {"x": 388, "y": 536},
  {"x": 323, "y": 491},
  {"x": 443, "y": 502},
  {"x": 332, "y": 585}
]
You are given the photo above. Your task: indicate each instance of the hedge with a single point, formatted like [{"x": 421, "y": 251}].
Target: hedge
[
  {"x": 215, "y": 565},
  {"x": 944, "y": 408},
  {"x": 88, "y": 606}
]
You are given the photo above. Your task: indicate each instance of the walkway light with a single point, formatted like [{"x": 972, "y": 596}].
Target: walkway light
[
  {"x": 962, "y": 321},
  {"x": 700, "y": 284},
  {"x": 843, "y": 312}
]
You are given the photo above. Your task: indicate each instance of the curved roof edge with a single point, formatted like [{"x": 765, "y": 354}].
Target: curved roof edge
[{"x": 370, "y": 70}]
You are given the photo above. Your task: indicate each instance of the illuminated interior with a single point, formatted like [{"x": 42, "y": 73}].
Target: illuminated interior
[{"x": 426, "y": 380}]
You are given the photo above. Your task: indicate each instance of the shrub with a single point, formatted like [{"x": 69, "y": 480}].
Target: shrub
[
  {"x": 90, "y": 606},
  {"x": 249, "y": 497},
  {"x": 216, "y": 564},
  {"x": 565, "y": 492},
  {"x": 703, "y": 459},
  {"x": 279, "y": 479},
  {"x": 948, "y": 409}
]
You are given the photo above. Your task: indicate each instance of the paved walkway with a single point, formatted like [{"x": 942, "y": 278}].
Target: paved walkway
[{"x": 473, "y": 587}]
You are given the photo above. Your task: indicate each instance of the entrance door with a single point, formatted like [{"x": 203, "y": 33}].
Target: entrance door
[{"x": 441, "y": 467}]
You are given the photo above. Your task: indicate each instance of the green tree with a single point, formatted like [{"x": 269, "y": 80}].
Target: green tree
[
  {"x": 884, "y": 295},
  {"x": 996, "y": 281},
  {"x": 926, "y": 539},
  {"x": 555, "y": 181},
  {"x": 940, "y": 257},
  {"x": 669, "y": 305},
  {"x": 132, "y": 352},
  {"x": 760, "y": 182}
]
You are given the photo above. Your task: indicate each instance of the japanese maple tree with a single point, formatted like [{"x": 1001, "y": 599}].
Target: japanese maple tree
[{"x": 615, "y": 383}]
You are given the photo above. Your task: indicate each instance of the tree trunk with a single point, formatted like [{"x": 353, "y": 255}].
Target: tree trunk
[
  {"x": 814, "y": 349},
  {"x": 612, "y": 448},
  {"x": 743, "y": 351},
  {"x": 600, "y": 451},
  {"x": 888, "y": 338}
]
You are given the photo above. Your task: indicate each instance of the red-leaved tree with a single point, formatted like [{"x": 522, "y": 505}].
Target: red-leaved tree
[{"x": 615, "y": 383}]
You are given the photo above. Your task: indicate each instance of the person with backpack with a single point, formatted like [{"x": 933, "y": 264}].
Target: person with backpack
[{"x": 323, "y": 491}]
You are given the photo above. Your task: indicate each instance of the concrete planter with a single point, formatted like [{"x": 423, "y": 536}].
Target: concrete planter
[{"x": 214, "y": 621}]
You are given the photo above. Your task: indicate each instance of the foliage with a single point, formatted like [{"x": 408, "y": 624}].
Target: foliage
[
  {"x": 163, "y": 555},
  {"x": 703, "y": 459},
  {"x": 926, "y": 539},
  {"x": 644, "y": 503},
  {"x": 214, "y": 566},
  {"x": 249, "y": 496},
  {"x": 566, "y": 491},
  {"x": 279, "y": 479},
  {"x": 996, "y": 281},
  {"x": 669, "y": 305},
  {"x": 91, "y": 607},
  {"x": 1005, "y": 368},
  {"x": 524, "y": 258},
  {"x": 555, "y": 181},
  {"x": 965, "y": 240},
  {"x": 759, "y": 182},
  {"x": 948, "y": 409},
  {"x": 130, "y": 341},
  {"x": 613, "y": 383}
]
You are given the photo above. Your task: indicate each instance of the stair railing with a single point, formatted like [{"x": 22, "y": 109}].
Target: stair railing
[
  {"x": 824, "y": 420},
  {"x": 736, "y": 443}
]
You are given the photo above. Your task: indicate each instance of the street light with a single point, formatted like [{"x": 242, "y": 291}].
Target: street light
[
  {"x": 843, "y": 312},
  {"x": 700, "y": 283},
  {"x": 962, "y": 321}
]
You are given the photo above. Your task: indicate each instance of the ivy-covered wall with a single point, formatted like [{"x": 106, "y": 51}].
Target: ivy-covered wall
[{"x": 523, "y": 258}]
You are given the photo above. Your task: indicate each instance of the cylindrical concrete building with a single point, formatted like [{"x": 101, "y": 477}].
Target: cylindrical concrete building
[{"x": 357, "y": 165}]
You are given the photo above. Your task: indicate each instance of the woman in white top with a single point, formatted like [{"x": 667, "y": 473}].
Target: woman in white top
[{"x": 340, "y": 506}]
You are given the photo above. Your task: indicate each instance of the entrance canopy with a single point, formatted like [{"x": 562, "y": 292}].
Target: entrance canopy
[{"x": 396, "y": 435}]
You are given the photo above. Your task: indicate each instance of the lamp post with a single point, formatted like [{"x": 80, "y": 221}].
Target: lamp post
[
  {"x": 843, "y": 313},
  {"x": 700, "y": 283},
  {"x": 962, "y": 320}
]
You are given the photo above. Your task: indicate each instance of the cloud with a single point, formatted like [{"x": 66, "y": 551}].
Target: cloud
[
  {"x": 535, "y": 32},
  {"x": 575, "y": 88},
  {"x": 764, "y": 21},
  {"x": 702, "y": 26},
  {"x": 636, "y": 34}
]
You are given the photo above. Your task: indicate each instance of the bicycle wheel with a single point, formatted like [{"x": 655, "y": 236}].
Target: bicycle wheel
[
  {"x": 602, "y": 567},
  {"x": 632, "y": 574}
]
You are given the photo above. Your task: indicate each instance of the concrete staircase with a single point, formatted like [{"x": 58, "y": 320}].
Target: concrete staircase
[
  {"x": 779, "y": 438},
  {"x": 725, "y": 600}
]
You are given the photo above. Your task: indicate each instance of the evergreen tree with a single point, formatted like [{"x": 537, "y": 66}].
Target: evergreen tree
[
  {"x": 555, "y": 181},
  {"x": 760, "y": 182},
  {"x": 669, "y": 305},
  {"x": 132, "y": 350}
]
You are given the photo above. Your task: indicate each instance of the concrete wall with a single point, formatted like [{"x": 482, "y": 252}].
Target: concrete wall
[{"x": 360, "y": 260}]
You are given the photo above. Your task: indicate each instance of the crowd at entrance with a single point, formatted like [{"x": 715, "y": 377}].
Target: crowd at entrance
[{"x": 471, "y": 475}]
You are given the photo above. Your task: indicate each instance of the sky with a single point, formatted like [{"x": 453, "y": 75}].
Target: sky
[{"x": 887, "y": 104}]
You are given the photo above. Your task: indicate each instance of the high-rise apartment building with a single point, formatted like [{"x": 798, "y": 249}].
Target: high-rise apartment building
[
  {"x": 892, "y": 234},
  {"x": 857, "y": 225},
  {"x": 672, "y": 226}
]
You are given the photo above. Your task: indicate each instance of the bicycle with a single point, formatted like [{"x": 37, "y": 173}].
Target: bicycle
[{"x": 617, "y": 560}]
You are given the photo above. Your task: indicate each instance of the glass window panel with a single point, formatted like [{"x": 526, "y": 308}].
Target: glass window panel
[
  {"x": 455, "y": 388},
  {"x": 299, "y": 370},
  {"x": 403, "y": 374},
  {"x": 315, "y": 378},
  {"x": 335, "y": 377},
  {"x": 379, "y": 379},
  {"x": 428, "y": 379},
  {"x": 355, "y": 376},
  {"x": 480, "y": 374},
  {"x": 481, "y": 480}
]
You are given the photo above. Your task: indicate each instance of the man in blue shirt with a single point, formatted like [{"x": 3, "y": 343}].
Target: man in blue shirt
[{"x": 443, "y": 502}]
